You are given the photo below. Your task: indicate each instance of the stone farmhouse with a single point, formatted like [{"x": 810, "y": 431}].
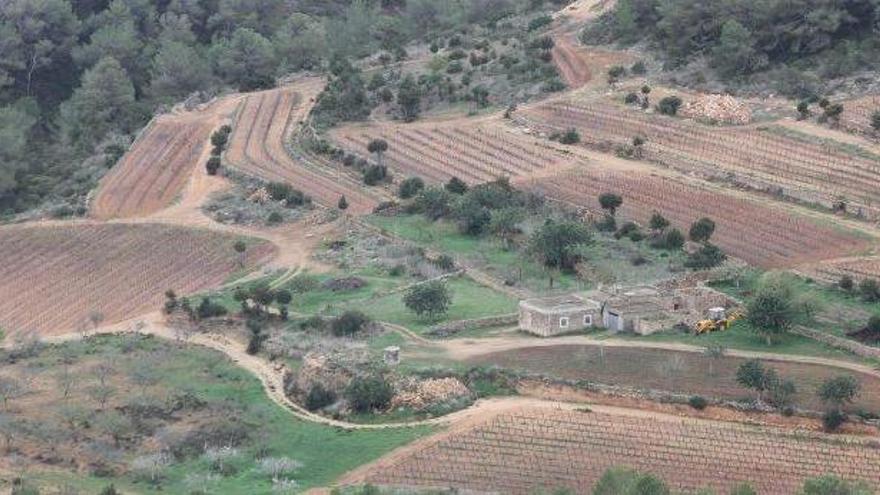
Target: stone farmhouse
[{"x": 639, "y": 310}]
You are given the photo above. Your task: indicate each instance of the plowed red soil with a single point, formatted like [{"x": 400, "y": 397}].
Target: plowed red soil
[
  {"x": 541, "y": 449},
  {"x": 154, "y": 171},
  {"x": 54, "y": 277},
  {"x": 761, "y": 234},
  {"x": 474, "y": 152},
  {"x": 263, "y": 124}
]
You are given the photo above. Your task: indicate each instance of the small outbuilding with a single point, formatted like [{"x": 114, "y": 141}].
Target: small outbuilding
[
  {"x": 639, "y": 310},
  {"x": 550, "y": 316}
]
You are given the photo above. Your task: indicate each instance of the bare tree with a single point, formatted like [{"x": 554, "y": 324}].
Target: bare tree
[
  {"x": 11, "y": 389},
  {"x": 66, "y": 381},
  {"x": 102, "y": 394},
  {"x": 95, "y": 318},
  {"x": 102, "y": 372}
]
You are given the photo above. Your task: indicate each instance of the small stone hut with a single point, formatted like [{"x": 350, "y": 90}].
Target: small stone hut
[
  {"x": 551, "y": 316},
  {"x": 639, "y": 310}
]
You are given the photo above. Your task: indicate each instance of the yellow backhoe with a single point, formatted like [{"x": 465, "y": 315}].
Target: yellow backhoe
[{"x": 717, "y": 321}]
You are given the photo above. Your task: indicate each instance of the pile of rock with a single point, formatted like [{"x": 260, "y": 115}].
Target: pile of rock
[
  {"x": 718, "y": 108},
  {"x": 419, "y": 394}
]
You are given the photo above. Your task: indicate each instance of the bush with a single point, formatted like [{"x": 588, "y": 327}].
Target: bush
[
  {"x": 671, "y": 240},
  {"x": 410, "y": 187},
  {"x": 539, "y": 22},
  {"x": 638, "y": 68},
  {"x": 213, "y": 165},
  {"x": 456, "y": 186},
  {"x": 869, "y": 289},
  {"x": 708, "y": 256},
  {"x": 631, "y": 99},
  {"x": 210, "y": 309},
  {"x": 319, "y": 397},
  {"x": 570, "y": 136},
  {"x": 607, "y": 224},
  {"x": 444, "y": 262},
  {"x": 669, "y": 105},
  {"x": 846, "y": 283},
  {"x": 698, "y": 403},
  {"x": 349, "y": 323},
  {"x": 833, "y": 419},
  {"x": 274, "y": 218},
  {"x": 629, "y": 230},
  {"x": 367, "y": 394}
]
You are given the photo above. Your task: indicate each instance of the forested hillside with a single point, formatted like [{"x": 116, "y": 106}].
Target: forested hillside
[
  {"x": 79, "y": 77},
  {"x": 804, "y": 41}
]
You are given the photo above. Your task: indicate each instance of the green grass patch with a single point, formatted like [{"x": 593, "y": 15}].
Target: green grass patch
[
  {"x": 325, "y": 452},
  {"x": 469, "y": 300}
]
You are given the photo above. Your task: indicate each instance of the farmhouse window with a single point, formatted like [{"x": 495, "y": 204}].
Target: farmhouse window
[
  {"x": 563, "y": 322},
  {"x": 588, "y": 320}
]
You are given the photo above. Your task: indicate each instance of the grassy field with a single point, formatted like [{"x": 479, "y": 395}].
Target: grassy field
[
  {"x": 226, "y": 394},
  {"x": 486, "y": 253}
]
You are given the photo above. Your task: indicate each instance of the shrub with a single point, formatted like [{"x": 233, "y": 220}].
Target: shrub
[
  {"x": 672, "y": 240},
  {"x": 846, "y": 283},
  {"x": 366, "y": 394},
  {"x": 430, "y": 298},
  {"x": 349, "y": 323},
  {"x": 456, "y": 186},
  {"x": 444, "y": 262},
  {"x": 629, "y": 230},
  {"x": 833, "y": 419},
  {"x": 638, "y": 68},
  {"x": 319, "y": 397},
  {"x": 631, "y": 99},
  {"x": 410, "y": 187},
  {"x": 539, "y": 22},
  {"x": 869, "y": 289},
  {"x": 615, "y": 73},
  {"x": 669, "y": 105},
  {"x": 708, "y": 256},
  {"x": 698, "y": 402},
  {"x": 607, "y": 224},
  {"x": 570, "y": 136},
  {"x": 210, "y": 309},
  {"x": 375, "y": 174},
  {"x": 274, "y": 218},
  {"x": 213, "y": 165}
]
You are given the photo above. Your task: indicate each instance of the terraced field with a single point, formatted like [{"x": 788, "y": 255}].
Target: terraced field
[
  {"x": 767, "y": 236},
  {"x": 808, "y": 171},
  {"x": 53, "y": 278},
  {"x": 151, "y": 175},
  {"x": 536, "y": 449},
  {"x": 857, "y": 114},
  {"x": 475, "y": 153},
  {"x": 263, "y": 124}
]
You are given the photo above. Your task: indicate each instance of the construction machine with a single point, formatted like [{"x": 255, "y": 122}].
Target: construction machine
[{"x": 717, "y": 321}]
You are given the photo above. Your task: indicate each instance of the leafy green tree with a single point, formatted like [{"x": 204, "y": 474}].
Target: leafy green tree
[
  {"x": 430, "y": 299},
  {"x": 456, "y": 186},
  {"x": 610, "y": 202},
  {"x": 557, "y": 244},
  {"x": 481, "y": 96},
  {"x": 471, "y": 216},
  {"x": 735, "y": 54},
  {"x": 869, "y": 289},
  {"x": 839, "y": 391},
  {"x": 434, "y": 203},
  {"x": 15, "y": 123},
  {"x": 753, "y": 375},
  {"x": 504, "y": 223},
  {"x": 300, "y": 43},
  {"x": 378, "y": 147},
  {"x": 178, "y": 70},
  {"x": 669, "y": 105},
  {"x": 246, "y": 59},
  {"x": 658, "y": 222},
  {"x": 36, "y": 36},
  {"x": 370, "y": 393},
  {"x": 105, "y": 102},
  {"x": 410, "y": 187},
  {"x": 342, "y": 204},
  {"x": 118, "y": 40},
  {"x": 875, "y": 121},
  {"x": 409, "y": 97},
  {"x": 702, "y": 230},
  {"x": 350, "y": 323},
  {"x": 708, "y": 256},
  {"x": 772, "y": 310}
]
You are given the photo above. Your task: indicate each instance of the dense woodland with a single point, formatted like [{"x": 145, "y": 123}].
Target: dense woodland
[
  {"x": 801, "y": 43},
  {"x": 79, "y": 77}
]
